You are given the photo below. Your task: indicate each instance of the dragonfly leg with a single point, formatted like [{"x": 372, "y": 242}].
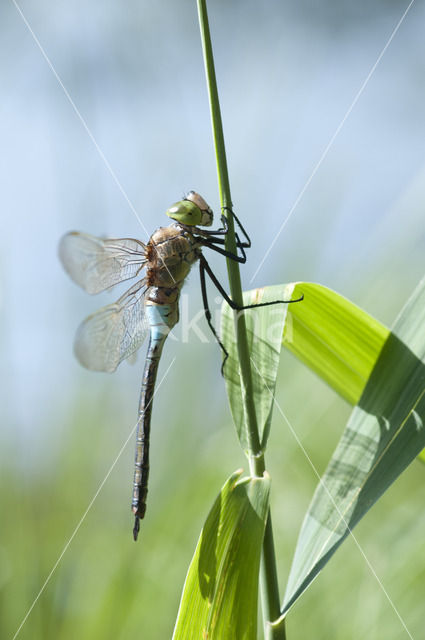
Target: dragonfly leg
[
  {"x": 216, "y": 232},
  {"x": 240, "y": 245},
  {"x": 204, "y": 266},
  {"x": 211, "y": 244},
  {"x": 210, "y": 240},
  {"x": 225, "y": 229},
  {"x": 229, "y": 300},
  {"x": 247, "y": 242}
]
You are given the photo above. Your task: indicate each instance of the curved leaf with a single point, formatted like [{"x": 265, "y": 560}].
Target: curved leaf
[
  {"x": 264, "y": 331},
  {"x": 334, "y": 337},
  {"x": 384, "y": 434},
  {"x": 220, "y": 594}
]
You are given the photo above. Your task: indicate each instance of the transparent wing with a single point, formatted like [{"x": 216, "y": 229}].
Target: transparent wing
[
  {"x": 97, "y": 264},
  {"x": 114, "y": 332}
]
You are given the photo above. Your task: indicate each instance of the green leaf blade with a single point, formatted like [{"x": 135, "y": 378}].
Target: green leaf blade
[
  {"x": 384, "y": 434},
  {"x": 334, "y": 337},
  {"x": 264, "y": 331},
  {"x": 220, "y": 595}
]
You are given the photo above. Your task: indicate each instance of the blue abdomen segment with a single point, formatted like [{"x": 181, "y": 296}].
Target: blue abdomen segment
[{"x": 161, "y": 319}]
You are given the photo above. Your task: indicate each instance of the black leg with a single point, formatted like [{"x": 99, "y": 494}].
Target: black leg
[
  {"x": 247, "y": 244},
  {"x": 239, "y": 244},
  {"x": 229, "y": 300},
  {"x": 205, "y": 267},
  {"x": 209, "y": 240},
  {"x": 224, "y": 231},
  {"x": 228, "y": 254},
  {"x": 202, "y": 269},
  {"x": 217, "y": 232}
]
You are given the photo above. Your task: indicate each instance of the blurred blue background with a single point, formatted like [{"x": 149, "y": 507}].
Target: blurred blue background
[{"x": 287, "y": 74}]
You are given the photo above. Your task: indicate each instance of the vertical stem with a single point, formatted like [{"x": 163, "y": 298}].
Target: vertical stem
[
  {"x": 269, "y": 586},
  {"x": 232, "y": 266},
  {"x": 268, "y": 574}
]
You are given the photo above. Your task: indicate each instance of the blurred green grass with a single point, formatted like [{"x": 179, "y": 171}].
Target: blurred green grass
[{"x": 106, "y": 586}]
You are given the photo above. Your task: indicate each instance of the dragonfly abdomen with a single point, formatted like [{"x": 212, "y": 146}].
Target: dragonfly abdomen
[{"x": 162, "y": 318}]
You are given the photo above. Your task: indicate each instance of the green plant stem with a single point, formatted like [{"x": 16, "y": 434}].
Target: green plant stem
[
  {"x": 268, "y": 576},
  {"x": 269, "y": 586},
  {"x": 232, "y": 266}
]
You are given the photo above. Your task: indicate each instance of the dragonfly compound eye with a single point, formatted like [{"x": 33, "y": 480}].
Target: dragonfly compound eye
[
  {"x": 207, "y": 214},
  {"x": 185, "y": 212}
]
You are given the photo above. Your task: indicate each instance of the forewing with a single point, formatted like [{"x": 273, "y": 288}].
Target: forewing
[
  {"x": 113, "y": 333},
  {"x": 97, "y": 264}
]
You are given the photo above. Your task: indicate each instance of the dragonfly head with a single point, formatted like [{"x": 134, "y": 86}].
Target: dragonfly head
[{"x": 193, "y": 210}]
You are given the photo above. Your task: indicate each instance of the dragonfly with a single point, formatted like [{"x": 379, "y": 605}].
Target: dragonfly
[{"x": 150, "y": 307}]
